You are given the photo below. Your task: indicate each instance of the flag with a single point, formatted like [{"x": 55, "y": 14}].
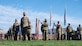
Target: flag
[
  {"x": 64, "y": 16},
  {"x": 37, "y": 28}
]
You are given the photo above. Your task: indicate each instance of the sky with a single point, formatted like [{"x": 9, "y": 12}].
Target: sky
[{"x": 13, "y": 9}]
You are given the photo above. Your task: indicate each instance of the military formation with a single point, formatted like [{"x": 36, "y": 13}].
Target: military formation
[{"x": 25, "y": 28}]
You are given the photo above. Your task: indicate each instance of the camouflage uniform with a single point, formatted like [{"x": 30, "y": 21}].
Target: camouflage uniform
[
  {"x": 79, "y": 29},
  {"x": 58, "y": 31},
  {"x": 15, "y": 29},
  {"x": 29, "y": 31},
  {"x": 42, "y": 30},
  {"x": 69, "y": 32},
  {"x": 63, "y": 34},
  {"x": 45, "y": 30},
  {"x": 9, "y": 34},
  {"x": 24, "y": 26},
  {"x": 12, "y": 33}
]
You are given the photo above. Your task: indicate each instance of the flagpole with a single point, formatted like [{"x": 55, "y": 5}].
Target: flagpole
[
  {"x": 65, "y": 16},
  {"x": 50, "y": 22},
  {"x": 65, "y": 20}
]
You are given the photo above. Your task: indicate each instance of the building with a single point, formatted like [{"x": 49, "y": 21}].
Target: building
[{"x": 2, "y": 34}]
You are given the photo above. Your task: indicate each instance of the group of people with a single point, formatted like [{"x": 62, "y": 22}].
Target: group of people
[
  {"x": 61, "y": 34},
  {"x": 25, "y": 28},
  {"x": 71, "y": 34}
]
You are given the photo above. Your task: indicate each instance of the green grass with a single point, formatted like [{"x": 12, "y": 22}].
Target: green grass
[{"x": 40, "y": 43}]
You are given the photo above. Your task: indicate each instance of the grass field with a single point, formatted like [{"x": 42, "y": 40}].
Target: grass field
[{"x": 40, "y": 43}]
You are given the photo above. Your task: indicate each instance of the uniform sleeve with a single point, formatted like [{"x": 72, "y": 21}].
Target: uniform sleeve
[
  {"x": 21, "y": 24},
  {"x": 62, "y": 31},
  {"x": 72, "y": 29},
  {"x": 41, "y": 27},
  {"x": 13, "y": 27},
  {"x": 28, "y": 21},
  {"x": 66, "y": 29},
  {"x": 77, "y": 28}
]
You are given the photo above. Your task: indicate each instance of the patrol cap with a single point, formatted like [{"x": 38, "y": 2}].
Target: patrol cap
[
  {"x": 79, "y": 25},
  {"x": 58, "y": 22},
  {"x": 24, "y": 13},
  {"x": 15, "y": 20},
  {"x": 68, "y": 23},
  {"x": 45, "y": 20}
]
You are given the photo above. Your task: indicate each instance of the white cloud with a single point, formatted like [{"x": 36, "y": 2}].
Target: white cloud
[{"x": 8, "y": 14}]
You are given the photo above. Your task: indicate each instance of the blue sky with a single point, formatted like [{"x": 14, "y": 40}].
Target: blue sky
[{"x": 11, "y": 9}]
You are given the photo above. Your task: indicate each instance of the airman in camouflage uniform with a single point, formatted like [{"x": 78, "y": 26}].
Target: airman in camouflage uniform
[
  {"x": 79, "y": 29},
  {"x": 58, "y": 31},
  {"x": 9, "y": 34},
  {"x": 69, "y": 31},
  {"x": 24, "y": 26},
  {"x": 15, "y": 29},
  {"x": 44, "y": 29}
]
